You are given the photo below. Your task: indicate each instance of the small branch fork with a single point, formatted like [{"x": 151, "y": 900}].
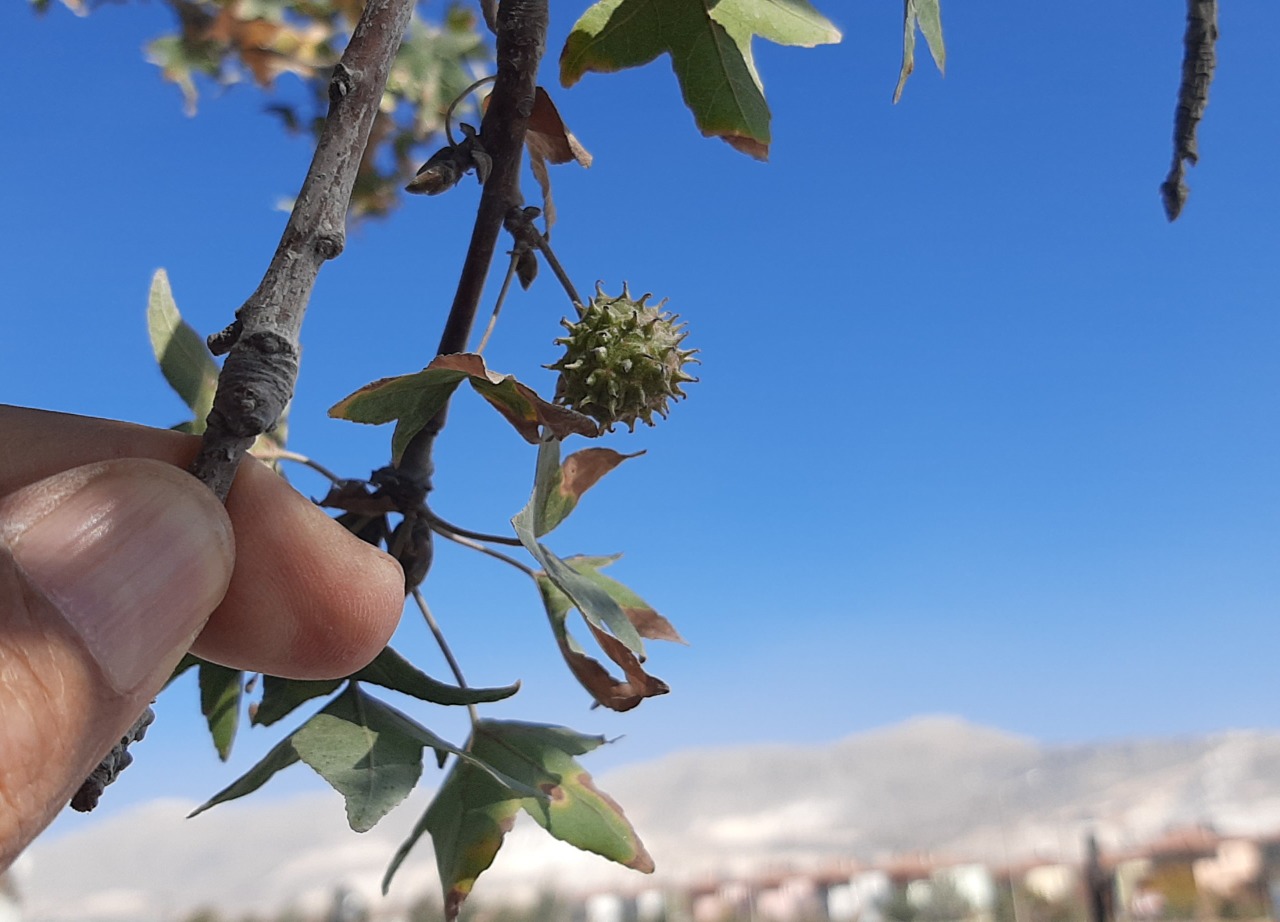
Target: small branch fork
[{"x": 262, "y": 365}]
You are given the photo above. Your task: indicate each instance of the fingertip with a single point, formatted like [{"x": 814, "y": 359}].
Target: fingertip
[{"x": 308, "y": 599}]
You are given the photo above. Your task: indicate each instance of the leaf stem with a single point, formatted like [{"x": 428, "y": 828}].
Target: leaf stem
[
  {"x": 497, "y": 307},
  {"x": 444, "y": 648},
  {"x": 497, "y": 555},
  {"x": 441, "y": 526},
  {"x": 544, "y": 247},
  {"x": 283, "y": 454},
  {"x": 448, "y": 115}
]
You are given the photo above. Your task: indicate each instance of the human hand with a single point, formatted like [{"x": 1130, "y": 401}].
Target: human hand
[{"x": 114, "y": 562}]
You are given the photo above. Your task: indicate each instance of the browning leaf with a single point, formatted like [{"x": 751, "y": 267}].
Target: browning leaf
[
  {"x": 549, "y": 138},
  {"x": 564, "y": 484},
  {"x": 927, "y": 15},
  {"x": 412, "y": 400},
  {"x": 472, "y": 813}
]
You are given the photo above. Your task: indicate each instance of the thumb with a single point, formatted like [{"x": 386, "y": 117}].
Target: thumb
[{"x": 107, "y": 574}]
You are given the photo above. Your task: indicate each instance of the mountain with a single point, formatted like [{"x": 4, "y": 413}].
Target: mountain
[{"x": 936, "y": 784}]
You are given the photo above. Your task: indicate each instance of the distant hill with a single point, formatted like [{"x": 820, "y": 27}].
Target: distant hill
[{"x": 936, "y": 784}]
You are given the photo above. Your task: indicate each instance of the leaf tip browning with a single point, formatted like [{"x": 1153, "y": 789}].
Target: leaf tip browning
[{"x": 752, "y": 147}]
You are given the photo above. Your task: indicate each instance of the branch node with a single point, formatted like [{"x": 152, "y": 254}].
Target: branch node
[
  {"x": 329, "y": 246},
  {"x": 340, "y": 84},
  {"x": 256, "y": 383}
]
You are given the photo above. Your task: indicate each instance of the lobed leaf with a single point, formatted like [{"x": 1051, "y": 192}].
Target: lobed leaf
[
  {"x": 520, "y": 404},
  {"x": 281, "y": 756},
  {"x": 710, "y": 47},
  {"x": 181, "y": 352},
  {"x": 366, "y": 752},
  {"x": 281, "y": 697},
  {"x": 467, "y": 819},
  {"x": 410, "y": 400},
  {"x": 220, "y": 691},
  {"x": 575, "y": 810},
  {"x": 413, "y": 400},
  {"x": 471, "y": 813}
]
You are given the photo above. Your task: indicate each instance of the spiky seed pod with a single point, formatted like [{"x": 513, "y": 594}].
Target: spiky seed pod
[{"x": 622, "y": 360}]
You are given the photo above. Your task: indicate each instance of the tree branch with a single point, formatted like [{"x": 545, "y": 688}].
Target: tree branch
[
  {"x": 522, "y": 35},
  {"x": 1198, "y": 62},
  {"x": 258, "y": 378}
]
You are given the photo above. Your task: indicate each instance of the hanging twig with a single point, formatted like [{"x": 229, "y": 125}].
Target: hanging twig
[
  {"x": 1198, "y": 62},
  {"x": 257, "y": 380}
]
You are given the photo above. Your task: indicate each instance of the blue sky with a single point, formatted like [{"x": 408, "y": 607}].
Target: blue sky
[{"x": 978, "y": 432}]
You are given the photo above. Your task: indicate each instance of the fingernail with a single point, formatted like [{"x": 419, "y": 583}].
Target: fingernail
[{"x": 134, "y": 554}]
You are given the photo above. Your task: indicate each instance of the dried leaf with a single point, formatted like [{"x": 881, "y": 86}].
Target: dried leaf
[
  {"x": 615, "y": 694},
  {"x": 595, "y": 604},
  {"x": 549, "y": 138}
]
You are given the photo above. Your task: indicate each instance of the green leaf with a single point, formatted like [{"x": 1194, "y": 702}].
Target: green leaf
[
  {"x": 467, "y": 820},
  {"x": 410, "y": 400},
  {"x": 220, "y": 692},
  {"x": 281, "y": 697},
  {"x": 364, "y": 749},
  {"x": 594, "y": 603},
  {"x": 372, "y": 754},
  {"x": 413, "y": 400},
  {"x": 471, "y": 813},
  {"x": 928, "y": 15},
  {"x": 280, "y": 757},
  {"x": 184, "y": 358},
  {"x": 710, "y": 47},
  {"x": 391, "y": 670}
]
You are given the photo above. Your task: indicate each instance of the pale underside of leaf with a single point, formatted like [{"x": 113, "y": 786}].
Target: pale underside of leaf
[
  {"x": 180, "y": 351},
  {"x": 926, "y": 14},
  {"x": 594, "y": 603}
]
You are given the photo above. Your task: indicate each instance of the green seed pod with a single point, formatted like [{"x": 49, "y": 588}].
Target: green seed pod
[{"x": 622, "y": 360}]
